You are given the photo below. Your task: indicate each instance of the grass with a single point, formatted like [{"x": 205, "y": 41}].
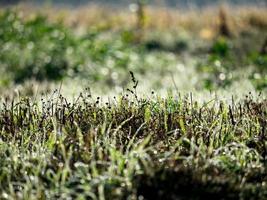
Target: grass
[
  {"x": 193, "y": 20},
  {"x": 204, "y": 139},
  {"x": 131, "y": 147}
]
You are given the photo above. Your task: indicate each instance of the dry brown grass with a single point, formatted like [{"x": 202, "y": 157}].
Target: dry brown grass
[{"x": 204, "y": 22}]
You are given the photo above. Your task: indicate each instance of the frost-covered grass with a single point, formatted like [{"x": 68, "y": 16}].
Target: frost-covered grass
[
  {"x": 189, "y": 122},
  {"x": 129, "y": 147}
]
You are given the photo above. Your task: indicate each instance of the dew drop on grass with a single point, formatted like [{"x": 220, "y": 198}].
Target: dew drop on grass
[
  {"x": 79, "y": 164},
  {"x": 61, "y": 164},
  {"x": 47, "y": 59},
  {"x": 217, "y": 63},
  {"x": 114, "y": 75},
  {"x": 30, "y": 45},
  {"x": 32, "y": 178},
  {"x": 257, "y": 76},
  {"x": 141, "y": 197},
  {"x": 5, "y": 195},
  {"x": 180, "y": 67},
  {"x": 104, "y": 71},
  {"x": 69, "y": 50},
  {"x": 222, "y": 76}
]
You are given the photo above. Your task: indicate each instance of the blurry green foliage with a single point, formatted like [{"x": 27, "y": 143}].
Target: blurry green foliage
[
  {"x": 259, "y": 75},
  {"x": 33, "y": 49},
  {"x": 220, "y": 47},
  {"x": 41, "y": 50},
  {"x": 260, "y": 60},
  {"x": 225, "y": 58},
  {"x": 218, "y": 66}
]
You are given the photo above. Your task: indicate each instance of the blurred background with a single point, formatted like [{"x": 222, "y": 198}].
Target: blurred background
[
  {"x": 184, "y": 3},
  {"x": 213, "y": 46}
]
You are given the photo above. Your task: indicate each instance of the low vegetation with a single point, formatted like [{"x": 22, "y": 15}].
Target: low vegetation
[
  {"x": 35, "y": 47},
  {"x": 124, "y": 144},
  {"x": 132, "y": 147}
]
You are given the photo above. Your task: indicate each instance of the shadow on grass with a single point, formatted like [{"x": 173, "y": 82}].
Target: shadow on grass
[{"x": 190, "y": 184}]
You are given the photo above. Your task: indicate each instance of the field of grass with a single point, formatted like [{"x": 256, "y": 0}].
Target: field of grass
[{"x": 95, "y": 106}]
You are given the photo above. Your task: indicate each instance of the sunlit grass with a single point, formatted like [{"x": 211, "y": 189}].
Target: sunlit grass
[
  {"x": 88, "y": 148},
  {"x": 188, "y": 122}
]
